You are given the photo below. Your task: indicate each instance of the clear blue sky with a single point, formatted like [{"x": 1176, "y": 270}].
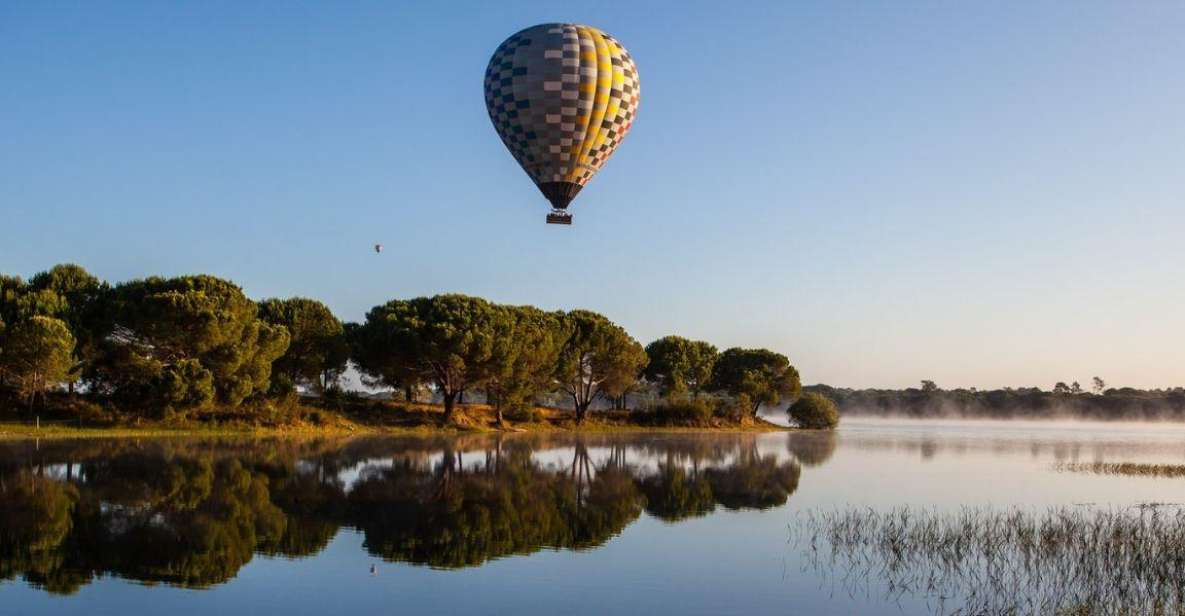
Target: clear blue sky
[{"x": 980, "y": 194}]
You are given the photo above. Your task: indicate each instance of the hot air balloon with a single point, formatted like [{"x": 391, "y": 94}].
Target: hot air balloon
[
  {"x": 562, "y": 97},
  {"x": 378, "y": 248}
]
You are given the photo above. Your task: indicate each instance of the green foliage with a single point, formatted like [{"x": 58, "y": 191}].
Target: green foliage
[
  {"x": 764, "y": 376},
  {"x": 36, "y": 354},
  {"x": 739, "y": 407},
  {"x": 186, "y": 384},
  {"x": 370, "y": 350},
  {"x": 169, "y": 341},
  {"x": 79, "y": 304},
  {"x": 814, "y": 410},
  {"x": 19, "y": 300},
  {"x": 11, "y": 290},
  {"x": 317, "y": 350},
  {"x": 168, "y": 346},
  {"x": 525, "y": 358},
  {"x": 688, "y": 413},
  {"x": 450, "y": 341},
  {"x": 525, "y": 413},
  {"x": 678, "y": 364},
  {"x": 599, "y": 358}
]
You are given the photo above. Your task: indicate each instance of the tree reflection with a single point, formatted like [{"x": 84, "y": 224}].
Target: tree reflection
[
  {"x": 198, "y": 524},
  {"x": 754, "y": 481},
  {"x": 193, "y": 513},
  {"x": 674, "y": 493},
  {"x": 812, "y": 448},
  {"x": 36, "y": 520}
]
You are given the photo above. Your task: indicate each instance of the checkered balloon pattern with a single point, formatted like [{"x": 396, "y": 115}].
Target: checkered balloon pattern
[{"x": 562, "y": 97}]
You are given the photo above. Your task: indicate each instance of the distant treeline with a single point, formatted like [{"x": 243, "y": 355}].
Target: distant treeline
[
  {"x": 167, "y": 347},
  {"x": 1063, "y": 401}
]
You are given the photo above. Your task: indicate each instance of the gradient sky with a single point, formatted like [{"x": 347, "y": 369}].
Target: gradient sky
[{"x": 980, "y": 194}]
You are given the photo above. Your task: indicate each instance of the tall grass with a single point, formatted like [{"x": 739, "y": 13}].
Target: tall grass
[
  {"x": 1131, "y": 469},
  {"x": 1015, "y": 561}
]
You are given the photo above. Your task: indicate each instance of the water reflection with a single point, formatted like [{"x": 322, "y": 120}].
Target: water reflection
[
  {"x": 193, "y": 513},
  {"x": 812, "y": 448}
]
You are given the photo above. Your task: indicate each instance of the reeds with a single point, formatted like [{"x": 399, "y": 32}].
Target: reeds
[
  {"x": 1016, "y": 561},
  {"x": 1131, "y": 469}
]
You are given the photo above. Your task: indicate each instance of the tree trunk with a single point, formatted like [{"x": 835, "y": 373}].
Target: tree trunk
[
  {"x": 409, "y": 394},
  {"x": 498, "y": 413},
  {"x": 461, "y": 397},
  {"x": 581, "y": 412},
  {"x": 756, "y": 407},
  {"x": 326, "y": 379},
  {"x": 450, "y": 399}
]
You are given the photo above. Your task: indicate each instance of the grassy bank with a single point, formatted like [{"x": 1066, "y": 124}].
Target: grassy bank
[{"x": 359, "y": 417}]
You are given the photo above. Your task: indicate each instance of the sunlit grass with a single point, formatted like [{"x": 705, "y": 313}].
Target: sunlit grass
[{"x": 1132, "y": 469}]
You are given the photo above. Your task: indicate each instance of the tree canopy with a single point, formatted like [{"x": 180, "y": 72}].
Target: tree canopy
[
  {"x": 183, "y": 342},
  {"x": 678, "y": 365},
  {"x": 525, "y": 358},
  {"x": 598, "y": 359},
  {"x": 196, "y": 345},
  {"x": 447, "y": 340},
  {"x": 317, "y": 350},
  {"x": 80, "y": 297},
  {"x": 763, "y": 376},
  {"x": 36, "y": 354}
]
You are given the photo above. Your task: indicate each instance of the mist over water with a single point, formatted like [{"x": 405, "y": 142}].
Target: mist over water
[{"x": 1062, "y": 402}]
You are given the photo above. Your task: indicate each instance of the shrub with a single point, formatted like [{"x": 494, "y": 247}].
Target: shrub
[
  {"x": 733, "y": 409},
  {"x": 677, "y": 413},
  {"x": 814, "y": 411},
  {"x": 526, "y": 413}
]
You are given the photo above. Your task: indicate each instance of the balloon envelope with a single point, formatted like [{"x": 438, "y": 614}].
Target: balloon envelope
[{"x": 562, "y": 97}]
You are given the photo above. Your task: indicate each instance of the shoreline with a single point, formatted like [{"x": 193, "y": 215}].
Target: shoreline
[
  {"x": 19, "y": 432},
  {"x": 469, "y": 421}
]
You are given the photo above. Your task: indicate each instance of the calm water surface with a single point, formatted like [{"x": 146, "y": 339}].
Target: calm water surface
[{"x": 694, "y": 524}]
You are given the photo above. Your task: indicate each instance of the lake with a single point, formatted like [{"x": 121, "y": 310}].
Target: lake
[{"x": 535, "y": 524}]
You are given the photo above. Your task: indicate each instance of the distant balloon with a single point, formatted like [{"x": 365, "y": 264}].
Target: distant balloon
[
  {"x": 378, "y": 248},
  {"x": 562, "y": 97}
]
